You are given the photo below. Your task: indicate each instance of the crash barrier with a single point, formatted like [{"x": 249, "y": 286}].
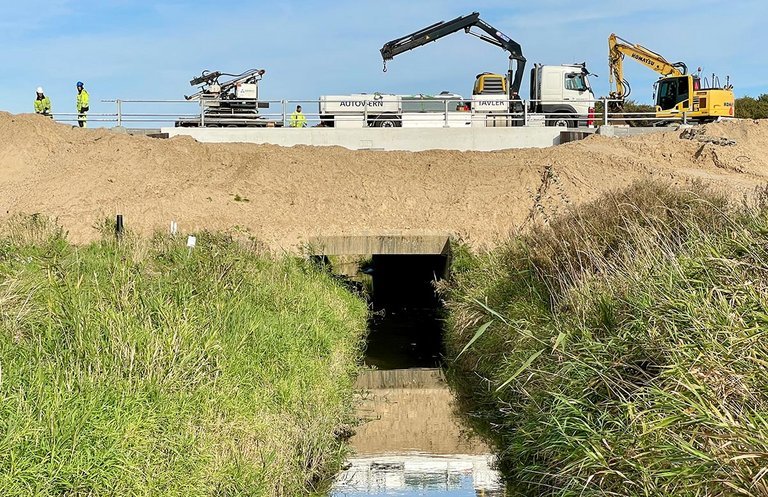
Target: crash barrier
[{"x": 426, "y": 112}]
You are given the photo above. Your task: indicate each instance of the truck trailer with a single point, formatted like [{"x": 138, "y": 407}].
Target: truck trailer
[{"x": 382, "y": 110}]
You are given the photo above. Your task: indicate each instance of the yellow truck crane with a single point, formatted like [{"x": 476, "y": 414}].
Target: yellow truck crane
[{"x": 676, "y": 91}]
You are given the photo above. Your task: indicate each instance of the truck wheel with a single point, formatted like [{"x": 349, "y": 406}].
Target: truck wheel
[
  {"x": 562, "y": 121},
  {"x": 386, "y": 122}
]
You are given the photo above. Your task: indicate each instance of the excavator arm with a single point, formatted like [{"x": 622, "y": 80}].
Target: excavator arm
[
  {"x": 618, "y": 48},
  {"x": 466, "y": 23}
]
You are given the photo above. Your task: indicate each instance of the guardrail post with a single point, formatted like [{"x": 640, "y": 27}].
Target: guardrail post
[
  {"x": 445, "y": 114},
  {"x": 284, "y": 105},
  {"x": 605, "y": 111},
  {"x": 525, "y": 113},
  {"x": 119, "y": 112},
  {"x": 685, "y": 118},
  {"x": 202, "y": 112},
  {"x": 365, "y": 114}
]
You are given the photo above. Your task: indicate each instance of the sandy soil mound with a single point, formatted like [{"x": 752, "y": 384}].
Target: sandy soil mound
[{"x": 285, "y": 195}]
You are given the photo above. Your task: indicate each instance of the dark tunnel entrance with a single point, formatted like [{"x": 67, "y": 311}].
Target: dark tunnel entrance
[{"x": 406, "y": 324}]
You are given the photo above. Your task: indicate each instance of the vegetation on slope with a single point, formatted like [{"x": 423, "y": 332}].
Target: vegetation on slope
[
  {"x": 144, "y": 368},
  {"x": 622, "y": 350}
]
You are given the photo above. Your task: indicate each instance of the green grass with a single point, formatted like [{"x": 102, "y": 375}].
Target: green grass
[
  {"x": 144, "y": 368},
  {"x": 626, "y": 352}
]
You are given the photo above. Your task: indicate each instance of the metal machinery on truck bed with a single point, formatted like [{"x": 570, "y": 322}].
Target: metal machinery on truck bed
[
  {"x": 677, "y": 92},
  {"x": 232, "y": 103}
]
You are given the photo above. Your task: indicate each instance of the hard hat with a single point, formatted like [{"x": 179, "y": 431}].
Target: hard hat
[
  {"x": 39, "y": 89},
  {"x": 79, "y": 83}
]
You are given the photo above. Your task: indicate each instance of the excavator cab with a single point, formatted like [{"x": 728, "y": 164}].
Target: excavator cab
[{"x": 674, "y": 94}]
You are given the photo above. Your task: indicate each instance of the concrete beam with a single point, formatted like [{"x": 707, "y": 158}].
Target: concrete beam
[
  {"x": 380, "y": 244},
  {"x": 409, "y": 139},
  {"x": 625, "y": 130}
]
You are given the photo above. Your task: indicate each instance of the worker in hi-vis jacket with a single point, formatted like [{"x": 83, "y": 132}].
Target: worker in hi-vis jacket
[
  {"x": 298, "y": 120},
  {"x": 42, "y": 103},
  {"x": 82, "y": 104}
]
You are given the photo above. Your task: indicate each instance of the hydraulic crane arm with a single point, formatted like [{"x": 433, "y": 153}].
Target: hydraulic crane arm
[
  {"x": 466, "y": 23},
  {"x": 618, "y": 48}
]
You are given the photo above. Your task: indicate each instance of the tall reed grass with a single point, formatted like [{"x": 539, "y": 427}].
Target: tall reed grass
[
  {"x": 144, "y": 368},
  {"x": 622, "y": 350}
]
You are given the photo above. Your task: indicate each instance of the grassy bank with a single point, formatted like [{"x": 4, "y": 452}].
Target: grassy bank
[
  {"x": 622, "y": 350},
  {"x": 142, "y": 368}
]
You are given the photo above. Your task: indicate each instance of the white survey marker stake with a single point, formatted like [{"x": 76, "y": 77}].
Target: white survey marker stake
[
  {"x": 174, "y": 227},
  {"x": 191, "y": 241}
]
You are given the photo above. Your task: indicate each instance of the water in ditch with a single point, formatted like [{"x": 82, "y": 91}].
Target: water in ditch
[
  {"x": 419, "y": 475},
  {"x": 413, "y": 442}
]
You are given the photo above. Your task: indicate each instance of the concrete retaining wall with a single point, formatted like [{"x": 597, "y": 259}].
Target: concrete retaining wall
[
  {"x": 413, "y": 139},
  {"x": 620, "y": 131},
  {"x": 382, "y": 244}
]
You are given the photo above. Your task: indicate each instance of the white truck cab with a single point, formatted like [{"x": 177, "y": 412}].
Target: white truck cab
[{"x": 563, "y": 94}]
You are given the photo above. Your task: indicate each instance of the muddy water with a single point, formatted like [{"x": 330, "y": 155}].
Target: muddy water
[{"x": 412, "y": 442}]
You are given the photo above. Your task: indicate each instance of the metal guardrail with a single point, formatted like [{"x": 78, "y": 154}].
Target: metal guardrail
[{"x": 454, "y": 113}]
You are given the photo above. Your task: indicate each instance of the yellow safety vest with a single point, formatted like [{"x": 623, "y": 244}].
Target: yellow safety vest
[
  {"x": 82, "y": 100},
  {"x": 43, "y": 105},
  {"x": 298, "y": 120}
]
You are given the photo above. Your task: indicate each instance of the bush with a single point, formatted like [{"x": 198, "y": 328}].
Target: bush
[
  {"x": 752, "y": 108},
  {"x": 144, "y": 368},
  {"x": 625, "y": 351}
]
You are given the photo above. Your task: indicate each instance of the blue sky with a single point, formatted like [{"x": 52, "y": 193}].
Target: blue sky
[{"x": 150, "y": 50}]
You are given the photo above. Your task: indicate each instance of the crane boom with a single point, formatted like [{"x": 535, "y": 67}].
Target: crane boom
[
  {"x": 466, "y": 23},
  {"x": 619, "y": 47}
]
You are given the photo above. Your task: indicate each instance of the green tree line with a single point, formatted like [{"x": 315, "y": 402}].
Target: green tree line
[{"x": 752, "y": 108}]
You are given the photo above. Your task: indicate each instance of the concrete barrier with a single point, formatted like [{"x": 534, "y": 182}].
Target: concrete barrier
[
  {"x": 409, "y": 139},
  {"x": 621, "y": 131},
  {"x": 381, "y": 244}
]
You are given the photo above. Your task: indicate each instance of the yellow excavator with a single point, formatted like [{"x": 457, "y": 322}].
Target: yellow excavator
[{"x": 676, "y": 91}]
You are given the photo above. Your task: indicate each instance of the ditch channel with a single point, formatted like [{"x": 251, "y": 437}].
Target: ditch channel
[{"x": 412, "y": 440}]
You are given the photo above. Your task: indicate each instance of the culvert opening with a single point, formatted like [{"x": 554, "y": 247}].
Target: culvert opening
[{"x": 406, "y": 325}]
